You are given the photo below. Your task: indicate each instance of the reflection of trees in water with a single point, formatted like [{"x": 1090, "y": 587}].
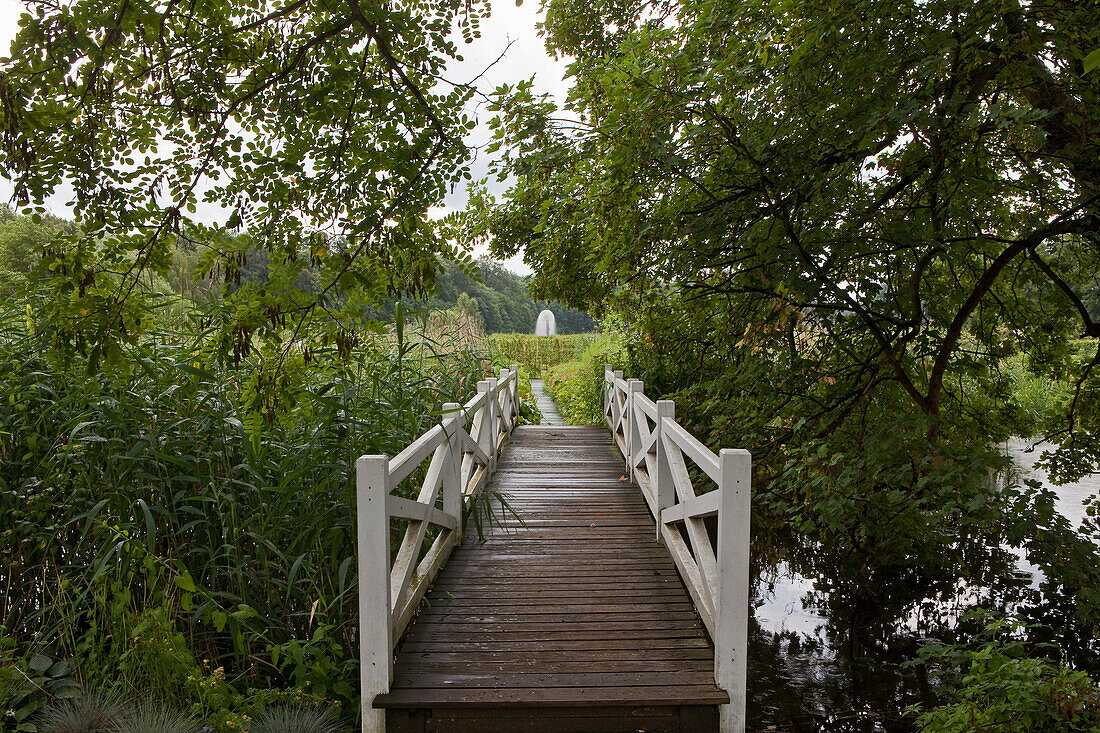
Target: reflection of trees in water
[
  {"x": 847, "y": 674},
  {"x": 1056, "y": 620}
]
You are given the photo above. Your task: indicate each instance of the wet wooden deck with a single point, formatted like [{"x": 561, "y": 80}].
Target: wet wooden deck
[
  {"x": 573, "y": 619},
  {"x": 550, "y": 414}
]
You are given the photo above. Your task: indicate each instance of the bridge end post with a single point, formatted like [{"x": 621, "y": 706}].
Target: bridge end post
[
  {"x": 664, "y": 486},
  {"x": 631, "y": 433},
  {"x": 375, "y": 626},
  {"x": 732, "y": 607},
  {"x": 453, "y": 421}
]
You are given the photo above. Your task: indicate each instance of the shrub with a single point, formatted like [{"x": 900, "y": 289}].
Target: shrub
[
  {"x": 999, "y": 687},
  {"x": 155, "y": 718},
  {"x": 577, "y": 386},
  {"x": 88, "y": 712},
  {"x": 285, "y": 719},
  {"x": 529, "y": 413},
  {"x": 25, "y": 685},
  {"x": 169, "y": 535},
  {"x": 538, "y": 353}
]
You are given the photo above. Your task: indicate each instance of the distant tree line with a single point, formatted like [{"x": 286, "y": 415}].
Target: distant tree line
[
  {"x": 493, "y": 296},
  {"x": 496, "y": 297},
  {"x": 501, "y": 300}
]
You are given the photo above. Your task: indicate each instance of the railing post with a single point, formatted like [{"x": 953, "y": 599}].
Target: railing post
[
  {"x": 665, "y": 488},
  {"x": 732, "y": 607},
  {"x": 609, "y": 408},
  {"x": 633, "y": 433},
  {"x": 606, "y": 388},
  {"x": 375, "y": 626},
  {"x": 483, "y": 421},
  {"x": 515, "y": 395},
  {"x": 617, "y": 374},
  {"x": 452, "y": 473},
  {"x": 494, "y": 430}
]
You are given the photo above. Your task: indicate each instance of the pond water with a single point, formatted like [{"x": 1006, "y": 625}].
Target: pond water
[
  {"x": 816, "y": 664},
  {"x": 1071, "y": 497}
]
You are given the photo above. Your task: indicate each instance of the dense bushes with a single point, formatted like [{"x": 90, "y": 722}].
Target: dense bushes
[
  {"x": 538, "y": 353},
  {"x": 164, "y": 538},
  {"x": 1003, "y": 685},
  {"x": 577, "y": 386}
]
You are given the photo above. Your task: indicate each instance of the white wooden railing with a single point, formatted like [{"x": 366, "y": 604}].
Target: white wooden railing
[
  {"x": 463, "y": 449},
  {"x": 657, "y": 450}
]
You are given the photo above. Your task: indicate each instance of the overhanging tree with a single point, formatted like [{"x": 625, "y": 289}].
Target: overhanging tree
[
  {"x": 322, "y": 132},
  {"x": 856, "y": 210}
]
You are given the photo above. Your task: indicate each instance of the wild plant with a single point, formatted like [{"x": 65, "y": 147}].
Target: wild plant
[
  {"x": 91, "y": 711},
  {"x": 286, "y": 719},
  {"x": 155, "y": 718},
  {"x": 161, "y": 528}
]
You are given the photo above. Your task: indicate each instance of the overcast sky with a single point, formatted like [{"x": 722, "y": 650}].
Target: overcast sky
[{"x": 525, "y": 57}]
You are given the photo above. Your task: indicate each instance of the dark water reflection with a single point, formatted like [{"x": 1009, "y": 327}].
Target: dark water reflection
[{"x": 822, "y": 658}]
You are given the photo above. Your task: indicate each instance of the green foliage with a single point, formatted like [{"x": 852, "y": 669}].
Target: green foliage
[
  {"x": 571, "y": 386},
  {"x": 529, "y": 413},
  {"x": 537, "y": 353},
  {"x": 577, "y": 386},
  {"x": 829, "y": 226},
  {"x": 487, "y": 510},
  {"x": 996, "y": 686},
  {"x": 320, "y": 135},
  {"x": 22, "y": 244},
  {"x": 501, "y": 300},
  {"x": 174, "y": 537},
  {"x": 27, "y": 683},
  {"x": 1038, "y": 397}
]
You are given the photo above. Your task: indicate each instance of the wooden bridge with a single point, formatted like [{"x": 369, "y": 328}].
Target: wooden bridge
[{"x": 610, "y": 595}]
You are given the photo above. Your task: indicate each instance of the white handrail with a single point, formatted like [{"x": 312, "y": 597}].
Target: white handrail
[
  {"x": 464, "y": 448},
  {"x": 657, "y": 451}
]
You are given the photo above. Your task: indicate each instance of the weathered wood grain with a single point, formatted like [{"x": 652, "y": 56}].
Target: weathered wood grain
[{"x": 571, "y": 608}]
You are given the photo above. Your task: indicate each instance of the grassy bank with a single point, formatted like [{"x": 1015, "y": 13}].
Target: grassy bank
[{"x": 576, "y": 386}]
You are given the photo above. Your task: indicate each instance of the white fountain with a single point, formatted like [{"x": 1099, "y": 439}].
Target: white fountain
[{"x": 546, "y": 326}]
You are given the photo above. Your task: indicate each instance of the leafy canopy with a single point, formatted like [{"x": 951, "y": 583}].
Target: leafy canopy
[
  {"x": 886, "y": 196},
  {"x": 322, "y": 133},
  {"x": 831, "y": 224}
]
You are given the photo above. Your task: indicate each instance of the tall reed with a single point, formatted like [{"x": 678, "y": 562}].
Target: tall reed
[{"x": 167, "y": 539}]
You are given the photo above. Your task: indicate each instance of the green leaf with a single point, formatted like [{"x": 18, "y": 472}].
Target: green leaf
[
  {"x": 245, "y": 612},
  {"x": 185, "y": 582},
  {"x": 40, "y": 663},
  {"x": 1092, "y": 61}
]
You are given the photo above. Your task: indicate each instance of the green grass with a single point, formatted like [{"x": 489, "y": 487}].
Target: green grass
[{"x": 538, "y": 354}]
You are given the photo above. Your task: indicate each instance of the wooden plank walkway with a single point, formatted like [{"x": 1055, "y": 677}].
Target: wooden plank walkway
[
  {"x": 550, "y": 414},
  {"x": 573, "y": 619}
]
